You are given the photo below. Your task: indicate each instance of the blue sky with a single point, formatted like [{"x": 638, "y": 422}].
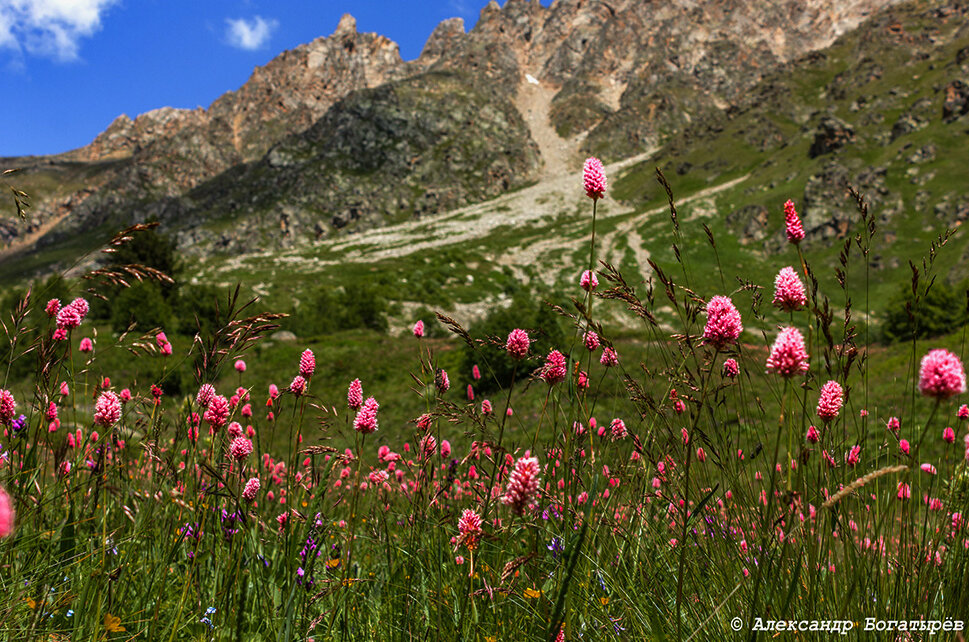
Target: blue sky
[{"x": 69, "y": 67}]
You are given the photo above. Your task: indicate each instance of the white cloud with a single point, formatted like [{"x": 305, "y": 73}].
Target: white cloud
[
  {"x": 50, "y": 28},
  {"x": 249, "y": 34}
]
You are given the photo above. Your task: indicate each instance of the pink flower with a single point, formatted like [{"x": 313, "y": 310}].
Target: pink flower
[
  {"x": 928, "y": 468},
  {"x": 298, "y": 386},
  {"x": 963, "y": 412},
  {"x": 588, "y": 281},
  {"x": 428, "y": 445},
  {"x": 949, "y": 436},
  {"x": 252, "y": 487},
  {"x": 812, "y": 435},
  {"x": 470, "y": 393},
  {"x": 795, "y": 232},
  {"x": 475, "y": 372},
  {"x": 941, "y": 375},
  {"x": 217, "y": 412},
  {"x": 730, "y": 368},
  {"x": 593, "y": 178},
  {"x": 788, "y": 357},
  {"x": 904, "y": 491},
  {"x": 166, "y": 350},
  {"x": 609, "y": 358},
  {"x": 618, "y": 429},
  {"x": 65, "y": 389},
  {"x": 240, "y": 448},
  {"x": 522, "y": 488},
  {"x": 7, "y": 406},
  {"x": 161, "y": 339},
  {"x": 445, "y": 448},
  {"x": 355, "y": 395},
  {"x": 854, "y": 456},
  {"x": 307, "y": 364},
  {"x": 107, "y": 409},
  {"x": 486, "y": 407},
  {"x": 7, "y": 514},
  {"x": 81, "y": 306},
  {"x": 68, "y": 318},
  {"x": 829, "y": 404},
  {"x": 554, "y": 369},
  {"x": 723, "y": 322},
  {"x": 60, "y": 334},
  {"x": 469, "y": 527},
  {"x": 240, "y": 365},
  {"x": 789, "y": 291},
  {"x": 234, "y": 429},
  {"x": 441, "y": 381},
  {"x": 366, "y": 419},
  {"x": 582, "y": 383},
  {"x": 205, "y": 394},
  {"x": 591, "y": 340},
  {"x": 53, "y": 306},
  {"x": 903, "y": 446},
  {"x": 419, "y": 329},
  {"x": 517, "y": 344},
  {"x": 378, "y": 477},
  {"x": 893, "y": 425}
]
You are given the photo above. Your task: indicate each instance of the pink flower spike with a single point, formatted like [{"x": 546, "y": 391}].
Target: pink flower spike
[
  {"x": 795, "y": 232},
  {"x": 298, "y": 386},
  {"x": 107, "y": 409},
  {"x": 789, "y": 293},
  {"x": 366, "y": 419},
  {"x": 307, "y": 364},
  {"x": 53, "y": 307},
  {"x": 963, "y": 412},
  {"x": 588, "y": 281},
  {"x": 7, "y": 514},
  {"x": 812, "y": 435},
  {"x": 723, "y": 325},
  {"x": 730, "y": 368},
  {"x": 941, "y": 375},
  {"x": 240, "y": 448},
  {"x": 593, "y": 178},
  {"x": 609, "y": 358},
  {"x": 788, "y": 356},
  {"x": 86, "y": 345},
  {"x": 523, "y": 483},
  {"x": 893, "y": 425},
  {"x": 591, "y": 340},
  {"x": 240, "y": 366},
  {"x": 419, "y": 329},
  {"x": 949, "y": 436},
  {"x": 829, "y": 404},
  {"x": 517, "y": 344},
  {"x": 252, "y": 487},
  {"x": 355, "y": 395},
  {"x": 903, "y": 446},
  {"x": 554, "y": 370},
  {"x": 7, "y": 406}
]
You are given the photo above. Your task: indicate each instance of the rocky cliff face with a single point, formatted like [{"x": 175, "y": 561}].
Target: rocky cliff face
[{"x": 450, "y": 127}]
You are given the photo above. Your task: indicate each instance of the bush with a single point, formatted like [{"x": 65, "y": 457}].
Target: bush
[
  {"x": 526, "y": 311},
  {"x": 939, "y": 310},
  {"x": 326, "y": 311}
]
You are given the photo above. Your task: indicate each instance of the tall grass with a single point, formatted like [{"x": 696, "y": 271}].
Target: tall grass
[{"x": 711, "y": 506}]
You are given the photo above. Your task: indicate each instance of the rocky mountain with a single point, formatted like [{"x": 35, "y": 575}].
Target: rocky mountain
[{"x": 341, "y": 135}]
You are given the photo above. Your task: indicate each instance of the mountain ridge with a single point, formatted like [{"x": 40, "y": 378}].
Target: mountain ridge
[{"x": 615, "y": 78}]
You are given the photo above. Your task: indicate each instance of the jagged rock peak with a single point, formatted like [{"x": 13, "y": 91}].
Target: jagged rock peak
[
  {"x": 347, "y": 26},
  {"x": 444, "y": 37}
]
